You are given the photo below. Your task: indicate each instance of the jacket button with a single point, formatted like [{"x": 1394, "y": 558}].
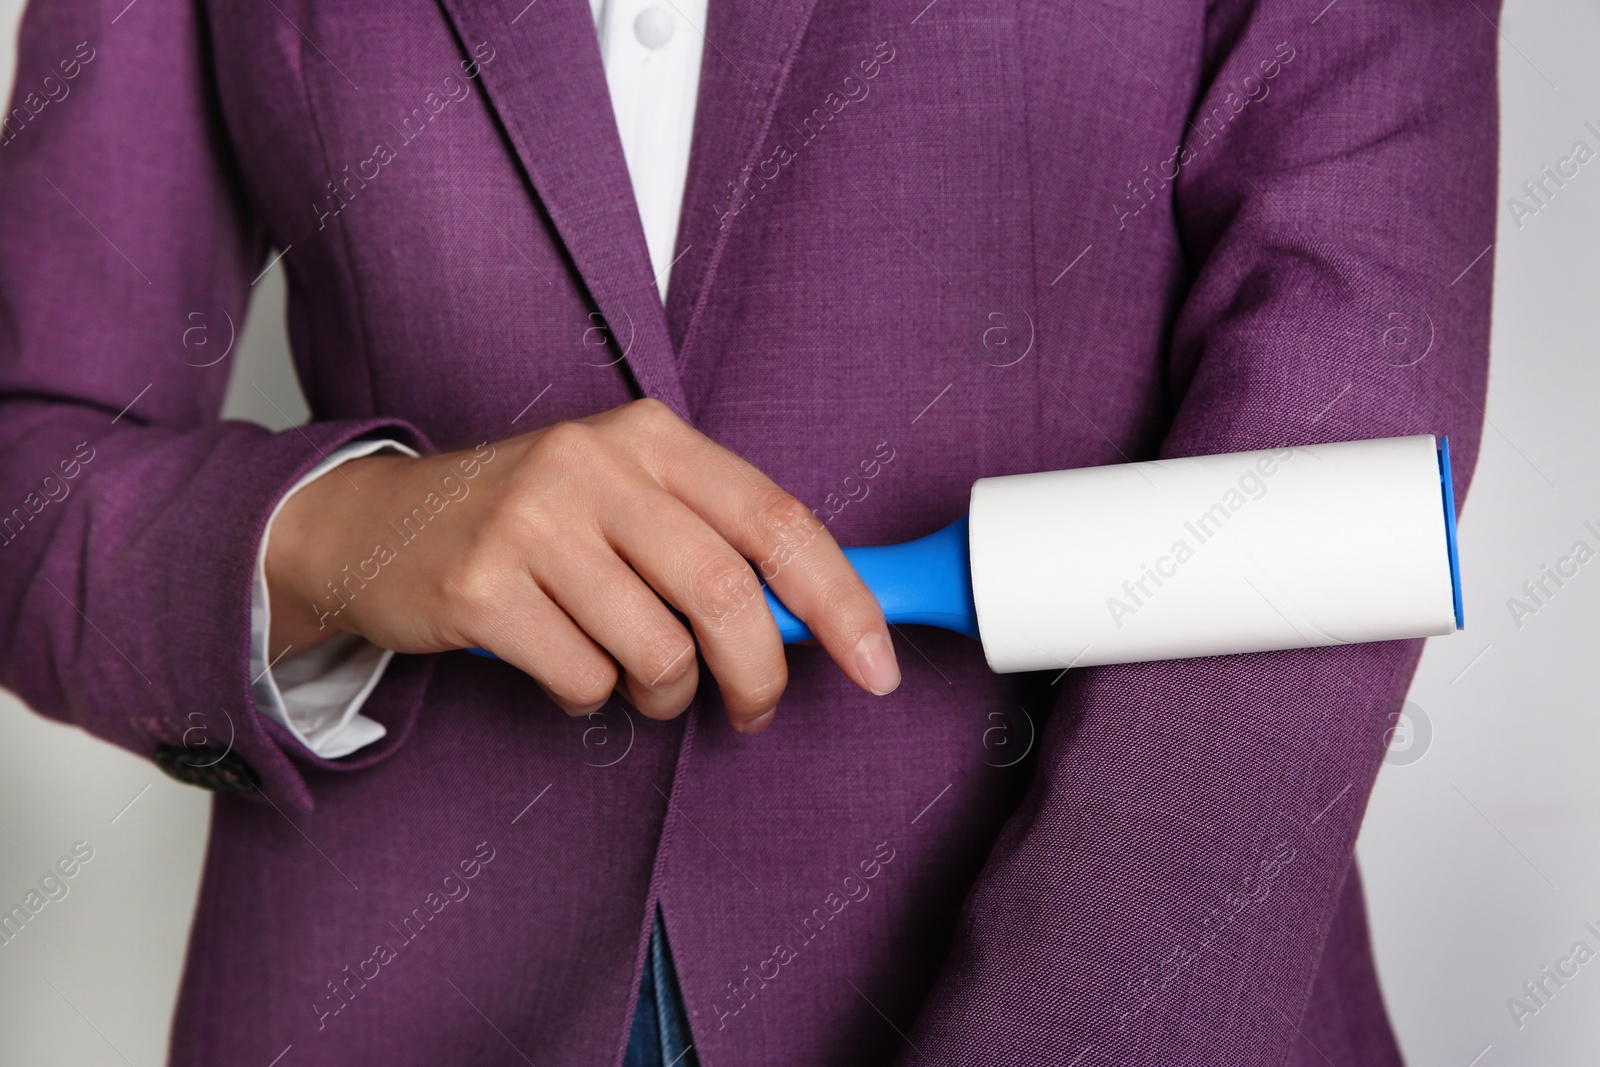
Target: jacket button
[{"x": 216, "y": 769}]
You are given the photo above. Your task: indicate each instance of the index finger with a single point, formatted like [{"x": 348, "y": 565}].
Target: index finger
[{"x": 794, "y": 553}]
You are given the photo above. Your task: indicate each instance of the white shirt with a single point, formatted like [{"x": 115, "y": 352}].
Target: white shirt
[{"x": 651, "y": 50}]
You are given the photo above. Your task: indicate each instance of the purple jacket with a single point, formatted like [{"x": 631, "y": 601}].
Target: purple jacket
[{"x": 975, "y": 237}]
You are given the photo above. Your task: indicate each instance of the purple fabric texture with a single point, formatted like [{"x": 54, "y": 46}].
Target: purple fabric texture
[{"x": 979, "y": 236}]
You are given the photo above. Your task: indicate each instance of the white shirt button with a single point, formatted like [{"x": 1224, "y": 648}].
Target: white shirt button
[{"x": 653, "y": 28}]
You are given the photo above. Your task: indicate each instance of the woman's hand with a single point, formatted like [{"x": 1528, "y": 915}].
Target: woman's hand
[{"x": 550, "y": 550}]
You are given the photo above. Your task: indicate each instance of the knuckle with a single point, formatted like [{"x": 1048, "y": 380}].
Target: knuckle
[
  {"x": 651, "y": 413},
  {"x": 654, "y": 703},
  {"x": 783, "y": 521},
  {"x": 530, "y": 514},
  {"x": 589, "y": 683},
  {"x": 779, "y": 511},
  {"x": 657, "y": 435},
  {"x": 547, "y": 490},
  {"x": 848, "y": 599},
  {"x": 759, "y": 692},
  {"x": 723, "y": 585},
  {"x": 504, "y": 515},
  {"x": 514, "y": 524},
  {"x": 476, "y": 587},
  {"x": 667, "y": 660},
  {"x": 565, "y": 442}
]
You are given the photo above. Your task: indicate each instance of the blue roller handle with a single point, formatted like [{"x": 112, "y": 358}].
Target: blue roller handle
[{"x": 927, "y": 582}]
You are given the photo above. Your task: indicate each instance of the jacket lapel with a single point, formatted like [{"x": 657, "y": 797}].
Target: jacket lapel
[
  {"x": 548, "y": 86},
  {"x": 750, "y": 48}
]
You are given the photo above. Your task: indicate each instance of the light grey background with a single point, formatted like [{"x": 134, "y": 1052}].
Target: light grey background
[{"x": 1482, "y": 857}]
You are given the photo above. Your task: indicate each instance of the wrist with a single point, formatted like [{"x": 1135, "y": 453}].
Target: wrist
[{"x": 305, "y": 546}]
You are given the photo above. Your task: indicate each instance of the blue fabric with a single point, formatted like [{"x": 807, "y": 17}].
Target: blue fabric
[{"x": 660, "y": 1034}]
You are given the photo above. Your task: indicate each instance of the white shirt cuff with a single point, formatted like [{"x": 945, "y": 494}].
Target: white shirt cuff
[{"x": 317, "y": 694}]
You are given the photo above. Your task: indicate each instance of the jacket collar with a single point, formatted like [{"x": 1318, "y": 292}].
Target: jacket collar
[
  {"x": 750, "y": 49},
  {"x": 548, "y": 86}
]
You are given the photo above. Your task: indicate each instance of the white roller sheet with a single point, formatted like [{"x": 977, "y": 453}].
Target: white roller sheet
[{"x": 1212, "y": 555}]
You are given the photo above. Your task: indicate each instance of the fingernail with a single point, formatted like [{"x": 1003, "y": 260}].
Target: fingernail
[
  {"x": 759, "y": 723},
  {"x": 875, "y": 660}
]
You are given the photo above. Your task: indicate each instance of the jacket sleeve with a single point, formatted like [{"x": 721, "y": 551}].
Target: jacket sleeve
[
  {"x": 129, "y": 511},
  {"x": 1164, "y": 892}
]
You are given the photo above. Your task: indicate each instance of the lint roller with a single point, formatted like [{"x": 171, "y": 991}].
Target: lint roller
[{"x": 1175, "y": 558}]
